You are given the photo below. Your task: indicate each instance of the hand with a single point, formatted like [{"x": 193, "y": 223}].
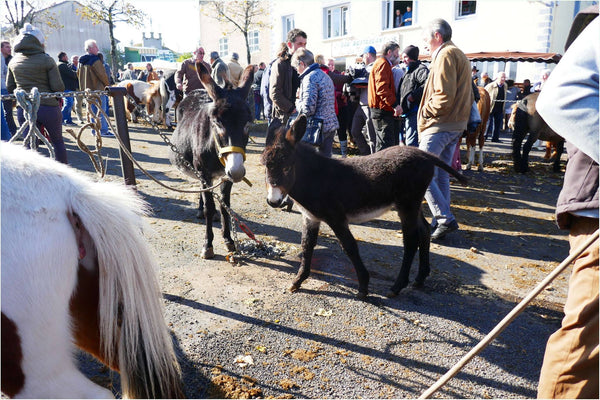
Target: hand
[
  {"x": 179, "y": 86},
  {"x": 398, "y": 111}
]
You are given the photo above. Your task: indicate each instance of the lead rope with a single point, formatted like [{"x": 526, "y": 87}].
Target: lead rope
[
  {"x": 30, "y": 105},
  {"x": 509, "y": 317}
]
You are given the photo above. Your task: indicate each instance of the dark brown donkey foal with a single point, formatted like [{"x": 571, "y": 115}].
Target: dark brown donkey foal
[{"x": 354, "y": 190}]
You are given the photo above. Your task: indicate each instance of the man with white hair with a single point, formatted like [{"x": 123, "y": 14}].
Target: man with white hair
[
  {"x": 186, "y": 77},
  {"x": 497, "y": 91},
  {"x": 92, "y": 75}
]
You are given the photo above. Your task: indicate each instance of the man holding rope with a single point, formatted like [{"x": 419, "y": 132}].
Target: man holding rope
[{"x": 570, "y": 99}]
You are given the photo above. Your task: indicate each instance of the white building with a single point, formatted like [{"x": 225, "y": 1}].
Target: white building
[
  {"x": 75, "y": 30},
  {"x": 341, "y": 29}
]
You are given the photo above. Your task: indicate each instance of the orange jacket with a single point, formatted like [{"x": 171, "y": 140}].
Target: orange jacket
[{"x": 382, "y": 93}]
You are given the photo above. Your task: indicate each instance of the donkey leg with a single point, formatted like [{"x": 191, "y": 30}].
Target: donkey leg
[
  {"x": 424, "y": 243},
  {"x": 209, "y": 210},
  {"x": 531, "y": 139},
  {"x": 225, "y": 218},
  {"x": 310, "y": 233},
  {"x": 342, "y": 232},
  {"x": 470, "y": 156},
  {"x": 560, "y": 147},
  {"x": 411, "y": 237}
]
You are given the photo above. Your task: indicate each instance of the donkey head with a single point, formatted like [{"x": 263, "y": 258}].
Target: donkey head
[
  {"x": 229, "y": 119},
  {"x": 279, "y": 161}
]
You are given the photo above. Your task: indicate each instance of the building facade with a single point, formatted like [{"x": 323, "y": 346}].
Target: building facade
[{"x": 342, "y": 28}]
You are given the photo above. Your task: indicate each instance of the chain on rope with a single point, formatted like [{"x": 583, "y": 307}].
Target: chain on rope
[{"x": 30, "y": 105}]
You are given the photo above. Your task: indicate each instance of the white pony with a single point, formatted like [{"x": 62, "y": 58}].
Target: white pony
[{"x": 76, "y": 270}]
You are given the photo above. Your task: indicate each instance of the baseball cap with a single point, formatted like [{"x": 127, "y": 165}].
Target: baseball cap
[{"x": 369, "y": 49}]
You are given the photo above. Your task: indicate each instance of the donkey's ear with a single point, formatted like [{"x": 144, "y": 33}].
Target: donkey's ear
[
  {"x": 297, "y": 130},
  {"x": 209, "y": 84},
  {"x": 246, "y": 80}
]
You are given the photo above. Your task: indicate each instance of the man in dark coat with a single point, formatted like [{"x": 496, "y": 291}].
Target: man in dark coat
[
  {"x": 411, "y": 91},
  {"x": 69, "y": 78}
]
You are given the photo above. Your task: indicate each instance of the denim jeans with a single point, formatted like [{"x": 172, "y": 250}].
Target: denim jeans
[
  {"x": 443, "y": 145},
  {"x": 8, "y": 106},
  {"x": 411, "y": 138},
  {"x": 66, "y": 109},
  {"x": 104, "y": 124}
]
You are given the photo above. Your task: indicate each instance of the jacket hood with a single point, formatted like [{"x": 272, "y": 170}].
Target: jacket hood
[
  {"x": 88, "y": 59},
  {"x": 28, "y": 45},
  {"x": 308, "y": 70}
]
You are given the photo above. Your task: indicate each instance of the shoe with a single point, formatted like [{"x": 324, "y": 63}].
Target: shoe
[
  {"x": 107, "y": 134},
  {"x": 70, "y": 124},
  {"x": 442, "y": 230},
  {"x": 496, "y": 141}
]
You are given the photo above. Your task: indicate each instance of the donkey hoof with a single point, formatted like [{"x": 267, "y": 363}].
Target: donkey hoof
[
  {"x": 200, "y": 214},
  {"x": 230, "y": 246},
  {"x": 294, "y": 288},
  {"x": 362, "y": 295},
  {"x": 391, "y": 294},
  {"x": 208, "y": 253},
  {"x": 418, "y": 284}
]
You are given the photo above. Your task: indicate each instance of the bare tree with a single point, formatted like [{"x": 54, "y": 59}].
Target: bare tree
[
  {"x": 112, "y": 12},
  {"x": 243, "y": 15},
  {"x": 19, "y": 12}
]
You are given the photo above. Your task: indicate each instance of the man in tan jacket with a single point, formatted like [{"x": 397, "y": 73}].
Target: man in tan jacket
[
  {"x": 442, "y": 117},
  {"x": 92, "y": 75}
]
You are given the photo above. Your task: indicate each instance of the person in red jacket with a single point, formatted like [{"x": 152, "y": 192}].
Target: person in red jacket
[{"x": 382, "y": 96}]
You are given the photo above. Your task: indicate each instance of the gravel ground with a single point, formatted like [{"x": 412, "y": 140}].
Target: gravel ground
[{"x": 240, "y": 334}]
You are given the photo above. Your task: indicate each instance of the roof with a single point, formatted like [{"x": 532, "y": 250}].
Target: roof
[{"x": 515, "y": 56}]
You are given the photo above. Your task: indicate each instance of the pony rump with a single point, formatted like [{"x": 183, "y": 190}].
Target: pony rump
[{"x": 40, "y": 194}]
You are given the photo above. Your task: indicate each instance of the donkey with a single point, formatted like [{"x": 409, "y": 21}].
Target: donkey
[
  {"x": 525, "y": 120},
  {"x": 355, "y": 190},
  {"x": 212, "y": 134},
  {"x": 77, "y": 271}
]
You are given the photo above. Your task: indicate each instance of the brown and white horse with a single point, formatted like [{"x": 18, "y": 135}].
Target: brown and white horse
[
  {"x": 478, "y": 136},
  {"x": 77, "y": 271},
  {"x": 144, "y": 94}
]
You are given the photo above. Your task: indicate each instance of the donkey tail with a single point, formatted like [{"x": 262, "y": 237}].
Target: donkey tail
[
  {"x": 461, "y": 178},
  {"x": 130, "y": 309}
]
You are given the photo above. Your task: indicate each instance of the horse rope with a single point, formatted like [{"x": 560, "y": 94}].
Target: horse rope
[
  {"x": 30, "y": 105},
  {"x": 509, "y": 317}
]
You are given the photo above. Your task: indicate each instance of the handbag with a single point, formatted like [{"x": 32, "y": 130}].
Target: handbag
[
  {"x": 314, "y": 131},
  {"x": 474, "y": 118}
]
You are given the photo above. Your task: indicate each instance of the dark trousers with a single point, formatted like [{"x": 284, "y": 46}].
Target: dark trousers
[
  {"x": 344, "y": 121},
  {"x": 51, "y": 118},
  {"x": 385, "y": 128},
  {"x": 497, "y": 118}
]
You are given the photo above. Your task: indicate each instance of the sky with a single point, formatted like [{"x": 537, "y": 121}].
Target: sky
[{"x": 177, "y": 20}]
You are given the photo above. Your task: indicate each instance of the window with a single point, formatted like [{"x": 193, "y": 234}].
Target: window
[
  {"x": 397, "y": 14},
  {"x": 288, "y": 25},
  {"x": 336, "y": 21},
  {"x": 465, "y": 8},
  {"x": 223, "y": 47},
  {"x": 253, "y": 41}
]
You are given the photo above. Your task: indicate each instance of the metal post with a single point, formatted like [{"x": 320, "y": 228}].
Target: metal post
[{"x": 118, "y": 94}]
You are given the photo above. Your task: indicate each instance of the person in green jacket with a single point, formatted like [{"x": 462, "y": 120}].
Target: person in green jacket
[{"x": 32, "y": 67}]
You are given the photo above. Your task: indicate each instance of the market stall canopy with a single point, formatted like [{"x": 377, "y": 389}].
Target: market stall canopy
[{"x": 514, "y": 56}]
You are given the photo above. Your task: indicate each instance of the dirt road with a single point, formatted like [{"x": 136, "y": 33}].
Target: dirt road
[{"x": 321, "y": 341}]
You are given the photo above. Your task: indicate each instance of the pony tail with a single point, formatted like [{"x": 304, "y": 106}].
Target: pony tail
[{"x": 130, "y": 310}]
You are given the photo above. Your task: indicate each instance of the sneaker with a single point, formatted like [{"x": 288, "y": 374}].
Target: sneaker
[
  {"x": 107, "y": 134},
  {"x": 70, "y": 124},
  {"x": 442, "y": 230}
]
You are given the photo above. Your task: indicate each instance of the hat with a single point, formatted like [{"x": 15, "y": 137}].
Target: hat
[
  {"x": 235, "y": 56},
  {"x": 369, "y": 49},
  {"x": 474, "y": 69},
  {"x": 412, "y": 52},
  {"x": 29, "y": 29}
]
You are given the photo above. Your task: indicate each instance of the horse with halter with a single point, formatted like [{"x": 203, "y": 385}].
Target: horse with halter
[
  {"x": 77, "y": 271},
  {"x": 358, "y": 189},
  {"x": 211, "y": 135}
]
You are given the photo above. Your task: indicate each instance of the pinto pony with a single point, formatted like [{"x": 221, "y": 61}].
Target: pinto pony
[
  {"x": 76, "y": 270},
  {"x": 478, "y": 137},
  {"x": 144, "y": 94},
  {"x": 339, "y": 192},
  {"x": 526, "y": 122},
  {"x": 212, "y": 134}
]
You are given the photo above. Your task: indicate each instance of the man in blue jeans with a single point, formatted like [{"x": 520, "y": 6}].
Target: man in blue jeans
[
  {"x": 69, "y": 78},
  {"x": 442, "y": 117}
]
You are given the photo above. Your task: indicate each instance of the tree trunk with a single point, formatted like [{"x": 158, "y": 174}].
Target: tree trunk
[
  {"x": 249, "y": 56},
  {"x": 113, "y": 49}
]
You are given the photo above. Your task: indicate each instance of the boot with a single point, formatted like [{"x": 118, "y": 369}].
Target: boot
[{"x": 344, "y": 148}]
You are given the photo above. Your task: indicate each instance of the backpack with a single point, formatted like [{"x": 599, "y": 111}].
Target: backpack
[{"x": 264, "y": 90}]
